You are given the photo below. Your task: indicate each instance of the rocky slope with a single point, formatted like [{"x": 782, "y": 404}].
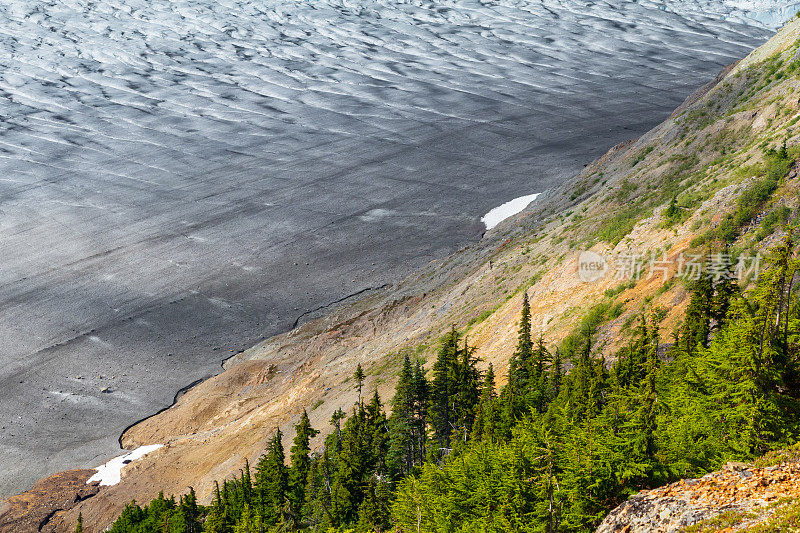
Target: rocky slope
[
  {"x": 703, "y": 156},
  {"x": 740, "y": 497}
]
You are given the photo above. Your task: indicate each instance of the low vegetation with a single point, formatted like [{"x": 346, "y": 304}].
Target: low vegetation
[{"x": 553, "y": 450}]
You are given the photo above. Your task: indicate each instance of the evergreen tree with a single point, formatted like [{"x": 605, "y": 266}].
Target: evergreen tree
[
  {"x": 300, "y": 464},
  {"x": 359, "y": 376},
  {"x": 189, "y": 513},
  {"x": 539, "y": 395},
  {"x": 419, "y": 423},
  {"x": 486, "y": 412},
  {"x": 401, "y": 456},
  {"x": 443, "y": 391},
  {"x": 377, "y": 428},
  {"x": 467, "y": 391},
  {"x": 697, "y": 325},
  {"x": 271, "y": 481},
  {"x": 217, "y": 521},
  {"x": 248, "y": 522},
  {"x": 672, "y": 210},
  {"x": 336, "y": 420},
  {"x": 555, "y": 376},
  {"x": 725, "y": 289},
  {"x": 374, "y": 513},
  {"x": 79, "y": 526},
  {"x": 352, "y": 465},
  {"x": 520, "y": 367}
]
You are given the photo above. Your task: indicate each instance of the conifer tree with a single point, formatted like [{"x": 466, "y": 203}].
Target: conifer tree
[
  {"x": 697, "y": 324},
  {"x": 248, "y": 522},
  {"x": 374, "y": 513},
  {"x": 519, "y": 373},
  {"x": 377, "y": 435},
  {"x": 467, "y": 391},
  {"x": 400, "y": 457},
  {"x": 318, "y": 492},
  {"x": 486, "y": 412},
  {"x": 336, "y": 421},
  {"x": 725, "y": 289},
  {"x": 271, "y": 480},
  {"x": 419, "y": 425},
  {"x": 217, "y": 517},
  {"x": 352, "y": 465},
  {"x": 300, "y": 464},
  {"x": 443, "y": 391},
  {"x": 189, "y": 513},
  {"x": 79, "y": 526},
  {"x": 359, "y": 376},
  {"x": 555, "y": 375}
]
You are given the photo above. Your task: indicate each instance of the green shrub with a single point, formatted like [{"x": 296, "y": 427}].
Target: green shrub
[
  {"x": 776, "y": 165},
  {"x": 641, "y": 155},
  {"x": 773, "y": 219},
  {"x": 615, "y": 228}
]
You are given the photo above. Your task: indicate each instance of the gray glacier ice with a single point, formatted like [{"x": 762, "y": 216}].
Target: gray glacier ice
[{"x": 181, "y": 178}]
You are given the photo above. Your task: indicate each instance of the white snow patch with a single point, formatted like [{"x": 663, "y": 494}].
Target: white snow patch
[
  {"x": 510, "y": 208},
  {"x": 111, "y": 472}
]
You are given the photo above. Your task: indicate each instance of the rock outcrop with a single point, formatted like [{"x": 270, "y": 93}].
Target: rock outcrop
[
  {"x": 33, "y": 510},
  {"x": 738, "y": 496}
]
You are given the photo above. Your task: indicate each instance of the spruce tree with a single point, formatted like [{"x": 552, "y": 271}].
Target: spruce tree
[
  {"x": 189, "y": 513},
  {"x": 336, "y": 421},
  {"x": 443, "y": 391},
  {"x": 486, "y": 412},
  {"x": 468, "y": 382},
  {"x": 725, "y": 289},
  {"x": 217, "y": 522},
  {"x": 519, "y": 374},
  {"x": 359, "y": 376},
  {"x": 271, "y": 480},
  {"x": 555, "y": 375},
  {"x": 421, "y": 400},
  {"x": 377, "y": 435},
  {"x": 400, "y": 457},
  {"x": 300, "y": 464},
  {"x": 79, "y": 526},
  {"x": 374, "y": 513},
  {"x": 697, "y": 324},
  {"x": 248, "y": 522},
  {"x": 352, "y": 467}
]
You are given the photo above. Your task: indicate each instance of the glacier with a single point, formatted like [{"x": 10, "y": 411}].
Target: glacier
[{"x": 182, "y": 178}]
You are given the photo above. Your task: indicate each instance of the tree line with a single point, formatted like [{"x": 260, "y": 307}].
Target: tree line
[{"x": 553, "y": 450}]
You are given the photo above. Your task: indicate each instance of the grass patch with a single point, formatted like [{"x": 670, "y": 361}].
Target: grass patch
[
  {"x": 622, "y": 287},
  {"x": 483, "y": 316},
  {"x": 786, "y": 519},
  {"x": 615, "y": 228},
  {"x": 641, "y": 155},
  {"x": 776, "y": 165},
  {"x": 725, "y": 520},
  {"x": 777, "y": 457}
]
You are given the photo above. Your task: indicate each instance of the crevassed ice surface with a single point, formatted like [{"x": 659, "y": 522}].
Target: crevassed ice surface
[{"x": 180, "y": 178}]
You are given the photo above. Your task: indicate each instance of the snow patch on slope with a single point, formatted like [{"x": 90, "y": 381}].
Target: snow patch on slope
[
  {"x": 111, "y": 472},
  {"x": 508, "y": 209}
]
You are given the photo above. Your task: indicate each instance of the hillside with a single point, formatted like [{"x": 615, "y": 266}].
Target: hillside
[{"x": 668, "y": 193}]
